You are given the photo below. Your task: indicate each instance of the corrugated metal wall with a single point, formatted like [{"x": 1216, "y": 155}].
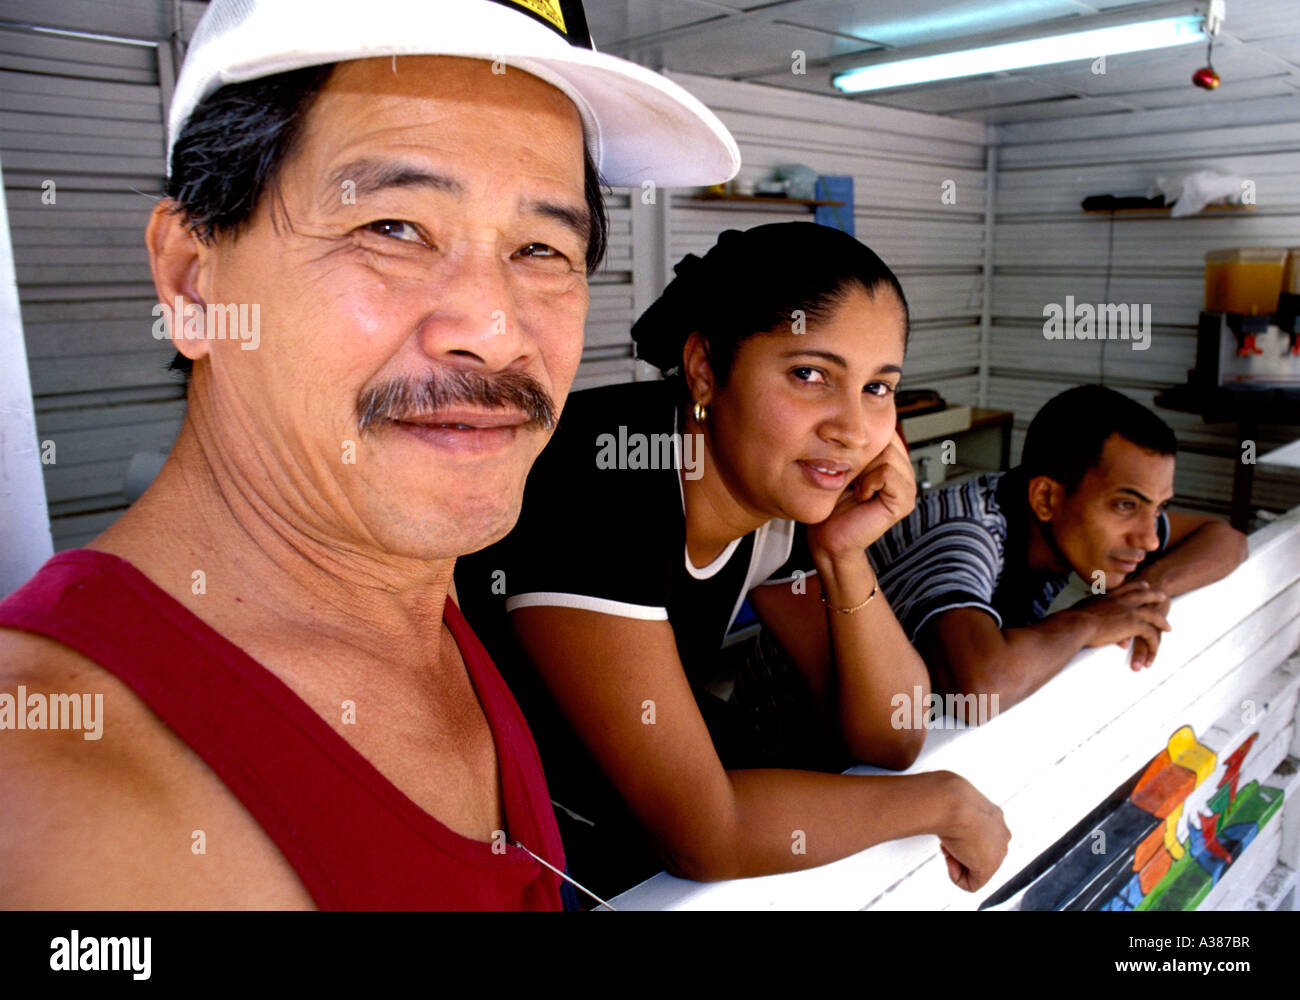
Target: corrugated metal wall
[
  {"x": 1046, "y": 248},
  {"x": 81, "y": 136},
  {"x": 607, "y": 349}
]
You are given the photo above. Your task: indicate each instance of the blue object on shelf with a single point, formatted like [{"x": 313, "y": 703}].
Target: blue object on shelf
[{"x": 831, "y": 188}]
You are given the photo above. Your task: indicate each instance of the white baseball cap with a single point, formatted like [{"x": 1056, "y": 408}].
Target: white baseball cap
[{"x": 639, "y": 125}]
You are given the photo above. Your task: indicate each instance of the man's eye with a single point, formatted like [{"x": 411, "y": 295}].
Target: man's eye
[
  {"x": 398, "y": 230},
  {"x": 542, "y": 252},
  {"x": 1125, "y": 505},
  {"x": 880, "y": 389}
]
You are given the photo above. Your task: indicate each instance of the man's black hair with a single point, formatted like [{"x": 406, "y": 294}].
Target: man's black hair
[
  {"x": 1066, "y": 437},
  {"x": 230, "y": 151}
]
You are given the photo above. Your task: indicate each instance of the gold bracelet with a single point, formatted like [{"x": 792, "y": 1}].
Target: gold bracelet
[{"x": 848, "y": 611}]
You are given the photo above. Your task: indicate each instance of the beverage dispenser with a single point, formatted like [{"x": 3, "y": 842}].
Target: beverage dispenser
[{"x": 1248, "y": 332}]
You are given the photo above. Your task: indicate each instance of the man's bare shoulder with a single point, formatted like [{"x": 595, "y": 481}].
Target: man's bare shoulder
[
  {"x": 105, "y": 807},
  {"x": 50, "y": 674},
  {"x": 38, "y": 674}
]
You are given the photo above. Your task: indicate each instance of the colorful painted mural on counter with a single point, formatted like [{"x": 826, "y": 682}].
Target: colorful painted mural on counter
[{"x": 1161, "y": 842}]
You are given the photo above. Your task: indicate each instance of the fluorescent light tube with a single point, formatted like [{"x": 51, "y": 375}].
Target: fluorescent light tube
[{"x": 1091, "y": 44}]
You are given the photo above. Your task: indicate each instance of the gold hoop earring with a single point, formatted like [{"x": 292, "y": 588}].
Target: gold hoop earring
[{"x": 700, "y": 412}]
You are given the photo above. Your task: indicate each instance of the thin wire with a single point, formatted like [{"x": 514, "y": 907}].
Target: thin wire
[
  {"x": 1110, "y": 258},
  {"x": 571, "y": 814},
  {"x": 566, "y": 878}
]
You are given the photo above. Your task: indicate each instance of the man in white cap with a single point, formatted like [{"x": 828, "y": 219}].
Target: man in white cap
[{"x": 397, "y": 206}]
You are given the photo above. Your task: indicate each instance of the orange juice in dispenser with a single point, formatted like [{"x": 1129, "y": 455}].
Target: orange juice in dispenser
[{"x": 1246, "y": 281}]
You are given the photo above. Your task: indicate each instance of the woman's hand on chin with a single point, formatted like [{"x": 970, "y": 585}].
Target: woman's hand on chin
[{"x": 879, "y": 498}]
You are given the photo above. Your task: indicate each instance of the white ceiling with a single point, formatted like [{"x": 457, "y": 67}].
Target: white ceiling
[{"x": 1257, "y": 54}]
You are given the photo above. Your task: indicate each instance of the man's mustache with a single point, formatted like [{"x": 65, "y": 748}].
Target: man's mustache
[{"x": 402, "y": 399}]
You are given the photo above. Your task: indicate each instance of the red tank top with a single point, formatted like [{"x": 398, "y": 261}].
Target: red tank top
[{"x": 355, "y": 840}]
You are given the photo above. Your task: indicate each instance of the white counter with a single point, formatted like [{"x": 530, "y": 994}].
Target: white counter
[{"x": 1050, "y": 760}]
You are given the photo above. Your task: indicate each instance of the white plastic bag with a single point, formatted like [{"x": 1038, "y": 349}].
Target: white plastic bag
[{"x": 1192, "y": 192}]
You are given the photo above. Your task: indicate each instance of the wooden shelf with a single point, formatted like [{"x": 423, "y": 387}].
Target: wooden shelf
[
  {"x": 772, "y": 200},
  {"x": 1166, "y": 210}
]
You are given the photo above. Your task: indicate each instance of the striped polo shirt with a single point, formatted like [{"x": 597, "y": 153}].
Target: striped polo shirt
[{"x": 959, "y": 548}]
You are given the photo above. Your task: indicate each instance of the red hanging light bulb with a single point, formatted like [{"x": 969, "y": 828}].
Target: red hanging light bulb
[{"x": 1206, "y": 78}]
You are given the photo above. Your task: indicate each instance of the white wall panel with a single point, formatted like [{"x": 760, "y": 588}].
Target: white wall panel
[
  {"x": 24, "y": 528},
  {"x": 1046, "y": 248}
]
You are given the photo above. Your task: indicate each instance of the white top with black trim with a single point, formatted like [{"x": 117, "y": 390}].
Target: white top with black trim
[{"x": 603, "y": 527}]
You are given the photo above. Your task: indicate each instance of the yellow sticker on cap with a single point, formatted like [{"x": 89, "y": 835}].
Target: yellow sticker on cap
[{"x": 549, "y": 9}]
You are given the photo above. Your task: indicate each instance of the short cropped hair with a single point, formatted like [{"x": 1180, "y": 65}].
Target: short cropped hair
[
  {"x": 1066, "y": 437},
  {"x": 229, "y": 154}
]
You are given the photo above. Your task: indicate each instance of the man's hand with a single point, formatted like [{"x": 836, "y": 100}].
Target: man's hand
[
  {"x": 1132, "y": 614},
  {"x": 975, "y": 843},
  {"x": 1144, "y": 647},
  {"x": 881, "y": 496}
]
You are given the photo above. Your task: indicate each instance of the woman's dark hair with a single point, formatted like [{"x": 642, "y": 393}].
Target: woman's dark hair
[
  {"x": 755, "y": 282},
  {"x": 230, "y": 151},
  {"x": 1066, "y": 437}
]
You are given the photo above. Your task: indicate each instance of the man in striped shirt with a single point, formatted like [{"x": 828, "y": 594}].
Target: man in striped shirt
[{"x": 972, "y": 571}]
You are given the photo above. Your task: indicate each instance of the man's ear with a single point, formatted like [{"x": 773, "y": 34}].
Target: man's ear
[
  {"x": 697, "y": 369},
  {"x": 179, "y": 262},
  {"x": 1046, "y": 497}
]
